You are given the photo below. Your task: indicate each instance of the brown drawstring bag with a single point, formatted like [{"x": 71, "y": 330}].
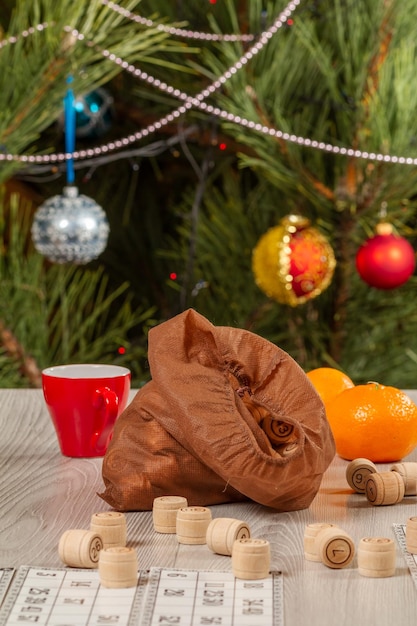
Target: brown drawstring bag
[{"x": 228, "y": 416}]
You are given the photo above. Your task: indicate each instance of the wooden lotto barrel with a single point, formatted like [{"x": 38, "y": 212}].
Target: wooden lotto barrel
[
  {"x": 278, "y": 432},
  {"x": 111, "y": 526},
  {"x": 408, "y": 471},
  {"x": 411, "y": 535},
  {"x": 118, "y": 567},
  {"x": 222, "y": 532},
  {"x": 335, "y": 547},
  {"x": 288, "y": 449},
  {"x": 164, "y": 513},
  {"x": 384, "y": 488},
  {"x": 311, "y": 532},
  {"x": 192, "y": 523},
  {"x": 80, "y": 548},
  {"x": 251, "y": 558},
  {"x": 376, "y": 557},
  {"x": 357, "y": 472}
]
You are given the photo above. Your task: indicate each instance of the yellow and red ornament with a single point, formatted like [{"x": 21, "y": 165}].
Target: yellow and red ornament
[{"x": 293, "y": 262}]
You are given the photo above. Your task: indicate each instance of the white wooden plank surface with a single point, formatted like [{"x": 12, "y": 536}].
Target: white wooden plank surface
[{"x": 42, "y": 494}]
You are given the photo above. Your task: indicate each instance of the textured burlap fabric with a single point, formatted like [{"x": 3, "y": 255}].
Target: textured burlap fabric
[{"x": 200, "y": 427}]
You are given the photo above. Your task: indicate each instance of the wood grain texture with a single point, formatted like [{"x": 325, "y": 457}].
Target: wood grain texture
[{"x": 43, "y": 494}]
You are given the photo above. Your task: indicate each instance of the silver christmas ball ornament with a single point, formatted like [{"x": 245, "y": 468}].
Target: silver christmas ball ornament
[{"x": 70, "y": 228}]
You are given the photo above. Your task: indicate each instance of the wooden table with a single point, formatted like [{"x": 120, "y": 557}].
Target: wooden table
[{"x": 42, "y": 494}]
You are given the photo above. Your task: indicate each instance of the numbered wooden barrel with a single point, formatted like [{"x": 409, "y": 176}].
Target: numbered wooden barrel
[
  {"x": 288, "y": 449},
  {"x": 357, "y": 472},
  {"x": 118, "y": 567},
  {"x": 111, "y": 526},
  {"x": 408, "y": 471},
  {"x": 222, "y": 532},
  {"x": 411, "y": 535},
  {"x": 251, "y": 558},
  {"x": 335, "y": 548},
  {"x": 376, "y": 557},
  {"x": 384, "y": 488},
  {"x": 164, "y": 513},
  {"x": 277, "y": 431},
  {"x": 80, "y": 548},
  {"x": 192, "y": 524},
  {"x": 311, "y": 533}
]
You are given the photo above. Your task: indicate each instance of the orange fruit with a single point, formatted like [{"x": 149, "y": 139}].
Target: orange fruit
[
  {"x": 373, "y": 421},
  {"x": 329, "y": 382}
]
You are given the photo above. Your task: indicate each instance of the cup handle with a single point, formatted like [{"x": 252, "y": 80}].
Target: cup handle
[{"x": 106, "y": 399}]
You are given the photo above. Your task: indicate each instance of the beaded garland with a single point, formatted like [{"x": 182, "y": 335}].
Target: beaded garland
[{"x": 196, "y": 101}]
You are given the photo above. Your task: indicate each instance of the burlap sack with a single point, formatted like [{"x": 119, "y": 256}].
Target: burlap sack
[{"x": 196, "y": 429}]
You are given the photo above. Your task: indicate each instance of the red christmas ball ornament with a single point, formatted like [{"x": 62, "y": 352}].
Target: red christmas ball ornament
[{"x": 386, "y": 260}]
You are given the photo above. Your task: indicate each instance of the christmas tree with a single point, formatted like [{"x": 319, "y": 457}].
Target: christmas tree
[{"x": 234, "y": 116}]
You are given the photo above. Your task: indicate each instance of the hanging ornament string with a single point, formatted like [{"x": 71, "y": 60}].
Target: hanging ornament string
[
  {"x": 174, "y": 115},
  {"x": 198, "y": 102},
  {"x": 70, "y": 227},
  {"x": 172, "y": 30},
  {"x": 69, "y": 111}
]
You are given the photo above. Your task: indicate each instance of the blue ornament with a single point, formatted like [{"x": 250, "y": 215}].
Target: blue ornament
[
  {"x": 70, "y": 228},
  {"x": 93, "y": 114}
]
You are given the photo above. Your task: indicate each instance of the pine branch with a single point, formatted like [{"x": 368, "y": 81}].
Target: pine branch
[
  {"x": 27, "y": 364},
  {"x": 309, "y": 177},
  {"x": 52, "y": 75},
  {"x": 34, "y": 68},
  {"x": 353, "y": 168},
  {"x": 385, "y": 34}
]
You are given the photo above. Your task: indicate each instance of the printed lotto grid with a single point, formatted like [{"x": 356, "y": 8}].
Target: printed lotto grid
[
  {"x": 6, "y": 575},
  {"x": 74, "y": 597},
  {"x": 70, "y": 597},
  {"x": 194, "y": 597},
  {"x": 411, "y": 559}
]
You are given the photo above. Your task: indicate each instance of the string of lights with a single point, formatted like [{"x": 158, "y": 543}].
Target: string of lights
[{"x": 199, "y": 102}]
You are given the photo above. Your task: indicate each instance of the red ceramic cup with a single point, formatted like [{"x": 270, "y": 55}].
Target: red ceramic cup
[{"x": 84, "y": 401}]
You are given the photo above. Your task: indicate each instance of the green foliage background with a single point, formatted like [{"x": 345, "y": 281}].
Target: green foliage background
[{"x": 342, "y": 72}]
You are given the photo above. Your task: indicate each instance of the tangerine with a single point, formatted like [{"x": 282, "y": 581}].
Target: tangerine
[
  {"x": 373, "y": 421},
  {"x": 329, "y": 382}
]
